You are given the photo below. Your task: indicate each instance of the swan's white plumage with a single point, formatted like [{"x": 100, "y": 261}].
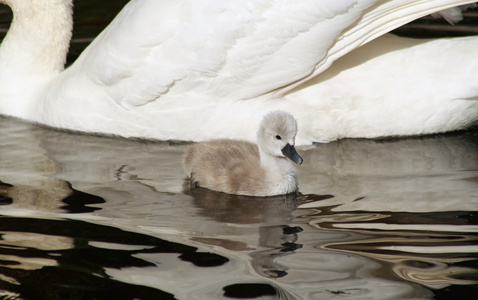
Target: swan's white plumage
[
  {"x": 194, "y": 70},
  {"x": 435, "y": 92}
]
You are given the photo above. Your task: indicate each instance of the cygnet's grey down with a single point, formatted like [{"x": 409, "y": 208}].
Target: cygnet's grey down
[{"x": 243, "y": 168}]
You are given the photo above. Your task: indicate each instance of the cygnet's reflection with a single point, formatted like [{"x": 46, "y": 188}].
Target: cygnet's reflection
[
  {"x": 272, "y": 215},
  {"x": 224, "y": 207}
]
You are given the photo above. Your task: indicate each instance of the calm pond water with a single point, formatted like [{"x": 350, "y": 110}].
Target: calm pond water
[{"x": 87, "y": 217}]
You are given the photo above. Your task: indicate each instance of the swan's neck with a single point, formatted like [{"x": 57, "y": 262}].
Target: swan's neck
[{"x": 34, "y": 49}]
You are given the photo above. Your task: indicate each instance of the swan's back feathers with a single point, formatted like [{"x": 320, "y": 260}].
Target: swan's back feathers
[
  {"x": 195, "y": 70},
  {"x": 126, "y": 57},
  {"x": 239, "y": 49}
]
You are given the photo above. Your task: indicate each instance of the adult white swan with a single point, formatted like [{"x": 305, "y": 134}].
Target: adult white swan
[{"x": 196, "y": 69}]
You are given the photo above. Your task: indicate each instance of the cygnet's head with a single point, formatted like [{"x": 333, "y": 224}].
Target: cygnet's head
[{"x": 276, "y": 135}]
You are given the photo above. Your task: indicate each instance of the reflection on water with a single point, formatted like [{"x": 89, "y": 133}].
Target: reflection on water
[
  {"x": 433, "y": 249},
  {"x": 66, "y": 259},
  {"x": 101, "y": 218},
  {"x": 276, "y": 237},
  {"x": 244, "y": 209}
]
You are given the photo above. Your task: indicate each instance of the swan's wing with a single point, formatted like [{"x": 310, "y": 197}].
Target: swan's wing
[
  {"x": 378, "y": 19},
  {"x": 239, "y": 49}
]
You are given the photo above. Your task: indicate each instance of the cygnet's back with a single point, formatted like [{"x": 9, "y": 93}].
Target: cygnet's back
[{"x": 243, "y": 168}]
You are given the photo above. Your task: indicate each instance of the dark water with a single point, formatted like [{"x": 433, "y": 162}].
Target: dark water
[{"x": 85, "y": 217}]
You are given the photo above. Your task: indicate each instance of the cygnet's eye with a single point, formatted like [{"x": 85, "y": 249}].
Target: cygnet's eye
[{"x": 278, "y": 137}]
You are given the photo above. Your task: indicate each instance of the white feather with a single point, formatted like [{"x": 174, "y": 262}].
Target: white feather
[{"x": 199, "y": 69}]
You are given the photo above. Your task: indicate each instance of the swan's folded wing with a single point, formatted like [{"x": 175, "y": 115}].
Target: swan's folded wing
[
  {"x": 378, "y": 19},
  {"x": 235, "y": 49}
]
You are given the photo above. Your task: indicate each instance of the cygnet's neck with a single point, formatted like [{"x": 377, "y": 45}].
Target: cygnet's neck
[
  {"x": 34, "y": 49},
  {"x": 279, "y": 172}
]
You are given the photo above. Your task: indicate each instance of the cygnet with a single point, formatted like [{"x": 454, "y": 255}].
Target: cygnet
[{"x": 243, "y": 168}]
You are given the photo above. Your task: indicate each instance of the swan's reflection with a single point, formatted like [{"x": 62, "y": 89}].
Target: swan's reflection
[
  {"x": 26, "y": 171},
  {"x": 414, "y": 175},
  {"x": 435, "y": 249},
  {"x": 65, "y": 259}
]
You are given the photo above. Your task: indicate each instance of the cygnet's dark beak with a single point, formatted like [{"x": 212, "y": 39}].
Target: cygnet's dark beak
[{"x": 290, "y": 152}]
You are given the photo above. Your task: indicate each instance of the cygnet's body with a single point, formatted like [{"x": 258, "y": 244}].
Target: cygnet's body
[{"x": 243, "y": 168}]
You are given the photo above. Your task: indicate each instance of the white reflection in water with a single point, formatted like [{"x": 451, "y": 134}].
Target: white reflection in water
[
  {"x": 418, "y": 174},
  {"x": 374, "y": 218}
]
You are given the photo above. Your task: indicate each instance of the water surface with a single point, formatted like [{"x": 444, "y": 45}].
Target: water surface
[{"x": 105, "y": 218}]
